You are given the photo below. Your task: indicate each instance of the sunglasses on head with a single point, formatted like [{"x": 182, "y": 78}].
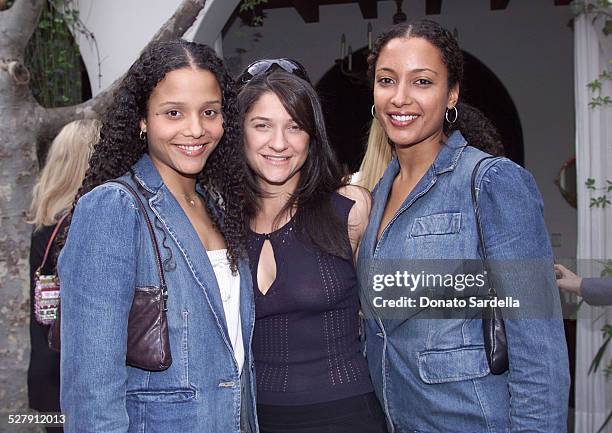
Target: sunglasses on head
[{"x": 265, "y": 65}]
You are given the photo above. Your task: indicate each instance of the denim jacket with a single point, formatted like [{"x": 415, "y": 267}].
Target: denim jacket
[
  {"x": 431, "y": 375},
  {"x": 107, "y": 254}
]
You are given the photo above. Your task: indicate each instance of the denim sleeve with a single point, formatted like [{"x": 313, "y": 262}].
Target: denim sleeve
[
  {"x": 517, "y": 242},
  {"x": 97, "y": 269}
]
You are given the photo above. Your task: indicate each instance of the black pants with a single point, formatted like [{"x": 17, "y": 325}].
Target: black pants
[{"x": 360, "y": 414}]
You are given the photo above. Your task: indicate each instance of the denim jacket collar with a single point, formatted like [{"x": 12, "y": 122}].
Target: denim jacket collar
[
  {"x": 450, "y": 153},
  {"x": 147, "y": 175},
  {"x": 180, "y": 229},
  {"x": 445, "y": 161}
]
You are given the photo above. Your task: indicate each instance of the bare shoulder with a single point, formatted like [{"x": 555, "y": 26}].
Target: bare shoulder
[
  {"x": 360, "y": 195},
  {"x": 360, "y": 212}
]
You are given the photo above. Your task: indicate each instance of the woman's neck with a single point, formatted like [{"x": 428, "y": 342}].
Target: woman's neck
[
  {"x": 415, "y": 160},
  {"x": 178, "y": 184},
  {"x": 273, "y": 200}
]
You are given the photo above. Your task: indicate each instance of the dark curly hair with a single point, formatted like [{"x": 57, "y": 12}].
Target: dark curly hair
[
  {"x": 320, "y": 175},
  {"x": 120, "y": 147},
  {"x": 474, "y": 126}
]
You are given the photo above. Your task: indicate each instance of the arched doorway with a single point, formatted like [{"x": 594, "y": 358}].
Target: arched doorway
[
  {"x": 347, "y": 98},
  {"x": 482, "y": 89}
]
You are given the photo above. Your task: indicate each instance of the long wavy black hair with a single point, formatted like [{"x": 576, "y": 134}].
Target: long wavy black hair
[
  {"x": 120, "y": 147},
  {"x": 320, "y": 175},
  {"x": 474, "y": 126}
]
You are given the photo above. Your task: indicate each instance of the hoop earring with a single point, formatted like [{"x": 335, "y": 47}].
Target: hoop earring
[
  {"x": 142, "y": 135},
  {"x": 448, "y": 110},
  {"x": 373, "y": 111}
]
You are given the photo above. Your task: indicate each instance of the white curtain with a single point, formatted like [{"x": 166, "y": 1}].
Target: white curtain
[{"x": 592, "y": 53}]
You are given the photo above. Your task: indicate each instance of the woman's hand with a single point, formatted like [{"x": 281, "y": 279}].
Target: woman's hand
[{"x": 567, "y": 281}]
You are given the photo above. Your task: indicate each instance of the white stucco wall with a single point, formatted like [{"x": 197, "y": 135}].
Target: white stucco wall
[
  {"x": 123, "y": 28},
  {"x": 528, "y": 45}
]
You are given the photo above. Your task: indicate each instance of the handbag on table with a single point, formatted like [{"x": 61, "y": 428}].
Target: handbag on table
[
  {"x": 493, "y": 328},
  {"x": 148, "y": 345}
]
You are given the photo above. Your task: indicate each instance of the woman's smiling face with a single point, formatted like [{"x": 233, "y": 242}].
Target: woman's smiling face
[
  {"x": 184, "y": 121},
  {"x": 276, "y": 147},
  {"x": 411, "y": 91}
]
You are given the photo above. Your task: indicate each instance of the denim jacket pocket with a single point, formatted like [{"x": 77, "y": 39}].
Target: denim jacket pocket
[
  {"x": 437, "y": 224},
  {"x": 452, "y": 365},
  {"x": 163, "y": 395}
]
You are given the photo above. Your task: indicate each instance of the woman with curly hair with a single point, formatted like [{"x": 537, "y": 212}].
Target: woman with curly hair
[
  {"x": 171, "y": 136},
  {"x": 305, "y": 225},
  {"x": 446, "y": 208}
]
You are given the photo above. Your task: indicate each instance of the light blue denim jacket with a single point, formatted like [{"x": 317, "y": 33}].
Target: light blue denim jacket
[
  {"x": 108, "y": 252},
  {"x": 431, "y": 375}
]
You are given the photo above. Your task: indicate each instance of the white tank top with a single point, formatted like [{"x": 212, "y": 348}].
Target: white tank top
[{"x": 229, "y": 286}]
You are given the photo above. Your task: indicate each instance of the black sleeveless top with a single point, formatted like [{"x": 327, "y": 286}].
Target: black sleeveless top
[{"x": 306, "y": 340}]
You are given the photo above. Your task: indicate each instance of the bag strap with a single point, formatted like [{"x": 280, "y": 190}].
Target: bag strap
[
  {"x": 160, "y": 267},
  {"x": 478, "y": 225},
  {"x": 51, "y": 240}
]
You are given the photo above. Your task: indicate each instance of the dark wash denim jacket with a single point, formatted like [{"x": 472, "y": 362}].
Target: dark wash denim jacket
[
  {"x": 109, "y": 252},
  {"x": 431, "y": 375}
]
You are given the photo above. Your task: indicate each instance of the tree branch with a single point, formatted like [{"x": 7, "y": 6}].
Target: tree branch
[
  {"x": 183, "y": 18},
  {"x": 55, "y": 118},
  {"x": 21, "y": 20}
]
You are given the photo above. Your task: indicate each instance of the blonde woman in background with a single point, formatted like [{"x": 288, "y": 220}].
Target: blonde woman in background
[
  {"x": 378, "y": 155},
  {"x": 53, "y": 195}
]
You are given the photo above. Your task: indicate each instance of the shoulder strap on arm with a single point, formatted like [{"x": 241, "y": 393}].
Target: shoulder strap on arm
[{"x": 160, "y": 268}]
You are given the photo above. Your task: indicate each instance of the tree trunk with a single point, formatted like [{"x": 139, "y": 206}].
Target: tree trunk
[
  {"x": 22, "y": 122},
  {"x": 18, "y": 130}
]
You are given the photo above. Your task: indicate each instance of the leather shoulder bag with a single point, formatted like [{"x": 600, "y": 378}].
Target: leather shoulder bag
[
  {"x": 494, "y": 330},
  {"x": 148, "y": 345}
]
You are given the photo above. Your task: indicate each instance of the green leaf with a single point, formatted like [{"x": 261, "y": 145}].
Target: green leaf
[
  {"x": 590, "y": 183},
  {"x": 599, "y": 356},
  {"x": 594, "y": 104},
  {"x": 594, "y": 203},
  {"x": 603, "y": 426},
  {"x": 594, "y": 85},
  {"x": 600, "y": 101}
]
